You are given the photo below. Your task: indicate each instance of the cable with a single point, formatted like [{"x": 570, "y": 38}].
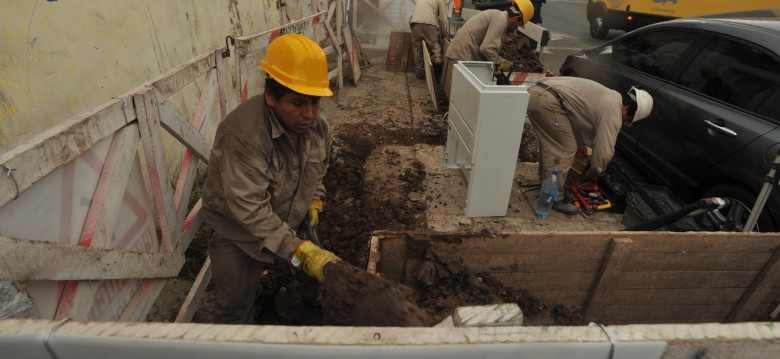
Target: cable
[
  {"x": 48, "y": 335},
  {"x": 611, "y": 341},
  {"x": 10, "y": 175}
]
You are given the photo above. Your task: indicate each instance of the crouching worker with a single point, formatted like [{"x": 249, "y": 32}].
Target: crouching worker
[
  {"x": 570, "y": 113},
  {"x": 265, "y": 174}
]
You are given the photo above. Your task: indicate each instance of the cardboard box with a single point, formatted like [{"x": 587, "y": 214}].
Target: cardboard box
[{"x": 580, "y": 165}]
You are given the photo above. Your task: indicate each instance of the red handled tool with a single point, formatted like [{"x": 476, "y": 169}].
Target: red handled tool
[{"x": 588, "y": 197}]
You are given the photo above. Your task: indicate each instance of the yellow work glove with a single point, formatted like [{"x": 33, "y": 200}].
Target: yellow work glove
[
  {"x": 312, "y": 260},
  {"x": 314, "y": 211},
  {"x": 505, "y": 66}
]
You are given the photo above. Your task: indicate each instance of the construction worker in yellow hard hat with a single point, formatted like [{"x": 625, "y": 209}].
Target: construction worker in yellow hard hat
[
  {"x": 264, "y": 191},
  {"x": 479, "y": 39}
]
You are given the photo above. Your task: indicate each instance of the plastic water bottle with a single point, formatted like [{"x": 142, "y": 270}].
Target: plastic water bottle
[{"x": 547, "y": 195}]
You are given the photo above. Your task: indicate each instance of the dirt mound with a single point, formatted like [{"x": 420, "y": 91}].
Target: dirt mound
[
  {"x": 351, "y": 296},
  {"x": 516, "y": 48}
]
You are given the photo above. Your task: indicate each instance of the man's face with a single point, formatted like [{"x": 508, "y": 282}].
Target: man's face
[
  {"x": 295, "y": 111},
  {"x": 512, "y": 23}
]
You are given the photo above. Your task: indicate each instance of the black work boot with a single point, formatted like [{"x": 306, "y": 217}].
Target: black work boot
[{"x": 565, "y": 207}]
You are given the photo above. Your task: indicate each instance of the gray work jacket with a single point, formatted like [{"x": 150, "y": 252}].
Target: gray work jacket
[{"x": 258, "y": 189}]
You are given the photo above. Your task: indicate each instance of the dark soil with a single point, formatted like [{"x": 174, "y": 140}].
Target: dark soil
[{"x": 351, "y": 296}]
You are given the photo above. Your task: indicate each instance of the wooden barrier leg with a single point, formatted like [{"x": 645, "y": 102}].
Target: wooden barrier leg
[{"x": 618, "y": 251}]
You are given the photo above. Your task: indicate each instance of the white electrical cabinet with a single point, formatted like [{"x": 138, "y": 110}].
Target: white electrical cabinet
[{"x": 485, "y": 126}]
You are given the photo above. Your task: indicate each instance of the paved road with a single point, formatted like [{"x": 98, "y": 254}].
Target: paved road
[{"x": 568, "y": 26}]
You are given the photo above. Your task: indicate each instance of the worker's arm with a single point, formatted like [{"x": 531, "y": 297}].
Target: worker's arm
[
  {"x": 607, "y": 129},
  {"x": 245, "y": 180},
  {"x": 443, "y": 22},
  {"x": 491, "y": 44}
]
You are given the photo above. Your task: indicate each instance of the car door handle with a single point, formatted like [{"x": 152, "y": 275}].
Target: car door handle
[{"x": 722, "y": 129}]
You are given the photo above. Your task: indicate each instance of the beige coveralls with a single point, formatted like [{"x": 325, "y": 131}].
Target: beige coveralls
[
  {"x": 257, "y": 192},
  {"x": 576, "y": 111},
  {"x": 428, "y": 18},
  {"x": 479, "y": 39}
]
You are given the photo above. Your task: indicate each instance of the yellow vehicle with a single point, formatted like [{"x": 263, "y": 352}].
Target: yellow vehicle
[{"x": 627, "y": 15}]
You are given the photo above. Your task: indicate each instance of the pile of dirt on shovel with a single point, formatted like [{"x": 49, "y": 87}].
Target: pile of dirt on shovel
[{"x": 353, "y": 297}]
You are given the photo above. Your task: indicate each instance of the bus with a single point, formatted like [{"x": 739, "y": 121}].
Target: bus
[{"x": 628, "y": 15}]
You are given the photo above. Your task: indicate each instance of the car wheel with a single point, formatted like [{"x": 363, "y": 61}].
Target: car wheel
[
  {"x": 733, "y": 217},
  {"x": 598, "y": 24}
]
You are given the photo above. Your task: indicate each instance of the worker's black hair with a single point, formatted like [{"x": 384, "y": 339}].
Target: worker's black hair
[
  {"x": 630, "y": 104},
  {"x": 277, "y": 90},
  {"x": 513, "y": 10}
]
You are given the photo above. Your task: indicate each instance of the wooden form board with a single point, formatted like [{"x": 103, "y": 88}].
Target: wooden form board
[
  {"x": 102, "y": 259},
  {"x": 612, "y": 277},
  {"x": 430, "y": 76},
  {"x": 400, "y": 57}
]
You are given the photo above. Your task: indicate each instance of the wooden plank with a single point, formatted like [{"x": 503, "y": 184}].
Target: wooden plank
[
  {"x": 688, "y": 279},
  {"x": 248, "y": 44},
  {"x": 180, "y": 76},
  {"x": 195, "y": 295},
  {"x": 649, "y": 262},
  {"x": 665, "y": 314},
  {"x": 191, "y": 226},
  {"x": 189, "y": 166},
  {"x": 570, "y": 262},
  {"x": 770, "y": 275},
  {"x": 154, "y": 151},
  {"x": 572, "y": 298},
  {"x": 547, "y": 281},
  {"x": 543, "y": 242},
  {"x": 373, "y": 254},
  {"x": 617, "y": 254},
  {"x": 336, "y": 44},
  {"x": 34, "y": 159},
  {"x": 139, "y": 306},
  {"x": 686, "y": 296},
  {"x": 181, "y": 129},
  {"x": 354, "y": 63},
  {"x": 429, "y": 76},
  {"x": 22, "y": 259},
  {"x": 104, "y": 209}
]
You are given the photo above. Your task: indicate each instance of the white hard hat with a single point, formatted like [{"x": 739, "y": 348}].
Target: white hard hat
[{"x": 644, "y": 103}]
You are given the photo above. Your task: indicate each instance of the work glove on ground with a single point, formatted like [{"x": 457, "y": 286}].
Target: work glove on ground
[
  {"x": 314, "y": 211},
  {"x": 313, "y": 260},
  {"x": 505, "y": 66}
]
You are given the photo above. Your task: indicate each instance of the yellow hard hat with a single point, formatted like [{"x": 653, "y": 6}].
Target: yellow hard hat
[
  {"x": 526, "y": 8},
  {"x": 298, "y": 63}
]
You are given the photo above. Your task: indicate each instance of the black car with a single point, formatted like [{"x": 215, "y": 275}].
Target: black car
[{"x": 714, "y": 129}]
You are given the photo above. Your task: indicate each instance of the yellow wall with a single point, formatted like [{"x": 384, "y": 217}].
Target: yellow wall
[{"x": 63, "y": 57}]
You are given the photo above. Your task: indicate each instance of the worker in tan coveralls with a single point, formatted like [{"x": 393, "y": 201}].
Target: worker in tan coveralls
[
  {"x": 428, "y": 23},
  {"x": 265, "y": 175},
  {"x": 570, "y": 113},
  {"x": 479, "y": 39}
]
